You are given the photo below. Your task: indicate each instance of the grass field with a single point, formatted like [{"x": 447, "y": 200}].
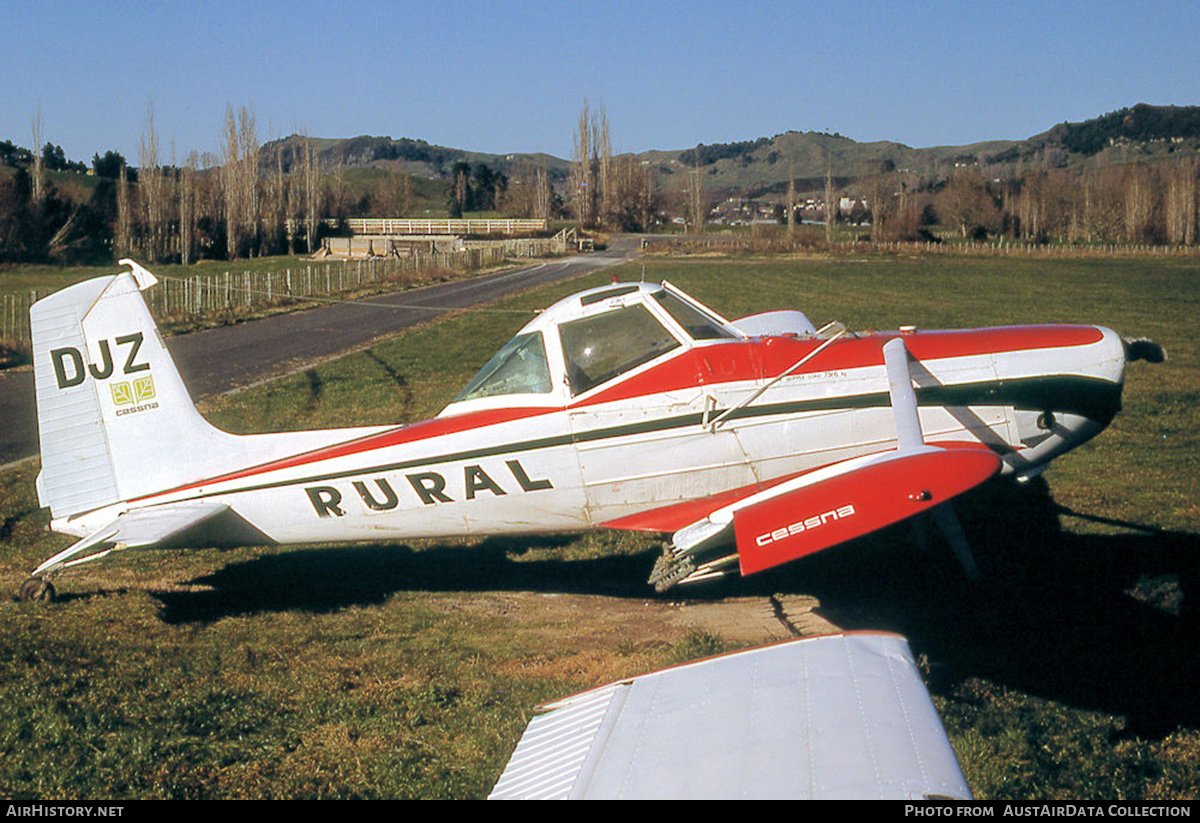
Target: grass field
[{"x": 409, "y": 670}]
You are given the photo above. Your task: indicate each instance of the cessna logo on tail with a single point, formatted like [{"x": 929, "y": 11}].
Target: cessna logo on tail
[
  {"x": 69, "y": 368},
  {"x": 808, "y": 524}
]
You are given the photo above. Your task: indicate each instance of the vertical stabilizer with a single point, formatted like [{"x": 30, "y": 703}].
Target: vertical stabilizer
[{"x": 114, "y": 417}]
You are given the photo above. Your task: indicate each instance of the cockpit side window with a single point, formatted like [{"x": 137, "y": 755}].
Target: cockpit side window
[
  {"x": 696, "y": 323},
  {"x": 518, "y": 368},
  {"x": 599, "y": 348}
]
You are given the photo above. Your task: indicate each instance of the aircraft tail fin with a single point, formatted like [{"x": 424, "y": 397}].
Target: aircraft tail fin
[{"x": 114, "y": 416}]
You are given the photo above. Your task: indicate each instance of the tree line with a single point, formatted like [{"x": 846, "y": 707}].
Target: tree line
[
  {"x": 224, "y": 205},
  {"x": 246, "y": 201},
  {"x": 1137, "y": 203}
]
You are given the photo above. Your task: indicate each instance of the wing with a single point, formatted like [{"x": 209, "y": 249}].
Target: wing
[
  {"x": 830, "y": 505},
  {"x": 839, "y": 716}
]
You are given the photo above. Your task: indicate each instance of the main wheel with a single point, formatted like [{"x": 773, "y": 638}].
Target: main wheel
[{"x": 36, "y": 588}]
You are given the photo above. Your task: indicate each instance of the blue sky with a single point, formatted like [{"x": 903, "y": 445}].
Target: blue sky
[{"x": 511, "y": 77}]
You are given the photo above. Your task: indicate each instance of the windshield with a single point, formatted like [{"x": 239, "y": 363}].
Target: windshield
[
  {"x": 600, "y": 347},
  {"x": 518, "y": 368}
]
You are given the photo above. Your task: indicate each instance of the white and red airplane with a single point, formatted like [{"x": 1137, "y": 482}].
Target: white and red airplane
[{"x": 630, "y": 406}]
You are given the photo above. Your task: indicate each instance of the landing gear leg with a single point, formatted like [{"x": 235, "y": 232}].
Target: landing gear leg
[
  {"x": 947, "y": 521},
  {"x": 36, "y": 588},
  {"x": 669, "y": 569}
]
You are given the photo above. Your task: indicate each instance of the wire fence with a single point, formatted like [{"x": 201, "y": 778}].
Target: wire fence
[
  {"x": 777, "y": 244},
  {"x": 246, "y": 292}
]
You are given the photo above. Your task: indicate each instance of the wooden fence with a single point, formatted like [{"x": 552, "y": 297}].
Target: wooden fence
[
  {"x": 372, "y": 225},
  {"x": 456, "y": 226},
  {"x": 14, "y": 325}
]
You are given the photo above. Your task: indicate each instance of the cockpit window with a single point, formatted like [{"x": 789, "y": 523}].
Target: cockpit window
[
  {"x": 601, "y": 347},
  {"x": 696, "y": 323},
  {"x": 518, "y": 368}
]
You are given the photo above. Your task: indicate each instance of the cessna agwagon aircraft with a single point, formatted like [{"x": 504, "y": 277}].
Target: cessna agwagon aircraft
[{"x": 631, "y": 406}]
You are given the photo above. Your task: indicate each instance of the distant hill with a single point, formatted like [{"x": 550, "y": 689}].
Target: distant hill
[
  {"x": 763, "y": 165},
  {"x": 1140, "y": 125},
  {"x": 403, "y": 154}
]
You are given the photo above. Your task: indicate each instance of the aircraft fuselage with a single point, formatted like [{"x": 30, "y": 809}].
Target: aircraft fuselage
[{"x": 638, "y": 453}]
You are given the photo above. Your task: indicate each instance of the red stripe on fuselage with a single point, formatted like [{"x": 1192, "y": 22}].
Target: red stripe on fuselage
[
  {"x": 424, "y": 430},
  {"x": 765, "y": 358}
]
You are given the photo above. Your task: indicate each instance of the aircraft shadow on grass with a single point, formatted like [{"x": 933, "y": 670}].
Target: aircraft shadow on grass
[{"x": 1107, "y": 622}]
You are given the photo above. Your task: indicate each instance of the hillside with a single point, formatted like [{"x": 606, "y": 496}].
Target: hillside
[
  {"x": 763, "y": 165},
  {"x": 415, "y": 157},
  {"x": 1142, "y": 126}
]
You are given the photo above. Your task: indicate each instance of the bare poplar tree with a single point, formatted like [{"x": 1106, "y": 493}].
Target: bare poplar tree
[
  {"x": 830, "y": 205},
  {"x": 338, "y": 195},
  {"x": 602, "y": 149},
  {"x": 651, "y": 201},
  {"x": 791, "y": 202},
  {"x": 123, "y": 239},
  {"x": 696, "y": 206},
  {"x": 879, "y": 193},
  {"x": 1138, "y": 205},
  {"x": 396, "y": 195},
  {"x": 231, "y": 155},
  {"x": 187, "y": 208},
  {"x": 583, "y": 177},
  {"x": 39, "y": 165},
  {"x": 311, "y": 194},
  {"x": 542, "y": 198},
  {"x": 1030, "y": 202},
  {"x": 275, "y": 204},
  {"x": 248, "y": 178},
  {"x": 151, "y": 192},
  {"x": 239, "y": 181},
  {"x": 908, "y": 217},
  {"x": 295, "y": 193},
  {"x": 1181, "y": 203},
  {"x": 461, "y": 189}
]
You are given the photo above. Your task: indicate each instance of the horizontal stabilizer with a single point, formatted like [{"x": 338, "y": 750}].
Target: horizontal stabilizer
[
  {"x": 821, "y": 718},
  {"x": 190, "y": 524},
  {"x": 849, "y": 504}
]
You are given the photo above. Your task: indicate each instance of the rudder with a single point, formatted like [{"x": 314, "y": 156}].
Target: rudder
[{"x": 111, "y": 405}]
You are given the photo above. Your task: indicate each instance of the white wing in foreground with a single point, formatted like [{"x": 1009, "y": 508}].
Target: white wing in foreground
[{"x": 833, "y": 717}]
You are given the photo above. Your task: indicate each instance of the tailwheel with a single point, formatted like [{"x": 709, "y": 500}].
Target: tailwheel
[{"x": 36, "y": 588}]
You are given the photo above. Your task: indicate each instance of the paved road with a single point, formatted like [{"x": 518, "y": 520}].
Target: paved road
[{"x": 225, "y": 358}]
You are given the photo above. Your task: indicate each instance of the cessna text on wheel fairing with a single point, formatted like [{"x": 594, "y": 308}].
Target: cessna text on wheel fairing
[{"x": 631, "y": 406}]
